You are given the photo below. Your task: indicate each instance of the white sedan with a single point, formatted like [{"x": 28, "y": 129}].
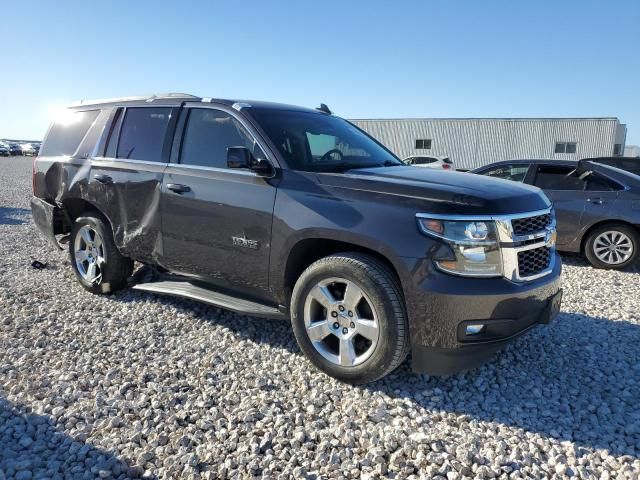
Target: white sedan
[{"x": 425, "y": 161}]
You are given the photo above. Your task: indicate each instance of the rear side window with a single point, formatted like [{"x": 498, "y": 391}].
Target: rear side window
[
  {"x": 558, "y": 178},
  {"x": 208, "y": 135},
  {"x": 143, "y": 132},
  {"x": 67, "y": 132},
  {"x": 598, "y": 183}
]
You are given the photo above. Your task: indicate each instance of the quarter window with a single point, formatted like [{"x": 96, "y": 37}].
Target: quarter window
[
  {"x": 143, "y": 132},
  {"x": 207, "y": 136},
  {"x": 423, "y": 144},
  {"x": 67, "y": 132},
  {"x": 566, "y": 147}
]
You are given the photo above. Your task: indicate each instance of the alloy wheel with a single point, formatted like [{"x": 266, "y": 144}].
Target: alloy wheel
[
  {"x": 88, "y": 253},
  {"x": 341, "y": 322},
  {"x": 613, "y": 247}
]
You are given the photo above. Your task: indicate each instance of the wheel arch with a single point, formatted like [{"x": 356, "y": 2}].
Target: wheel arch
[{"x": 308, "y": 250}]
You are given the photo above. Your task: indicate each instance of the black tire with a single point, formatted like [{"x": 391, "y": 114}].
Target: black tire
[
  {"x": 382, "y": 289},
  {"x": 628, "y": 231},
  {"x": 115, "y": 269}
]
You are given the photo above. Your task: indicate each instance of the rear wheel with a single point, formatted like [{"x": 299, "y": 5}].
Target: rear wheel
[
  {"x": 97, "y": 263},
  {"x": 612, "y": 246},
  {"x": 348, "y": 316}
]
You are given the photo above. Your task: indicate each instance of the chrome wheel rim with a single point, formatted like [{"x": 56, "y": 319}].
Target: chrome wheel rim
[
  {"x": 613, "y": 247},
  {"x": 88, "y": 252},
  {"x": 341, "y": 322}
]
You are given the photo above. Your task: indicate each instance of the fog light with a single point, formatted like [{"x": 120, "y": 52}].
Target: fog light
[{"x": 474, "y": 329}]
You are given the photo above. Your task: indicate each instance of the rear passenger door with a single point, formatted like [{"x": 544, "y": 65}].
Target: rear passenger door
[
  {"x": 217, "y": 220},
  {"x": 126, "y": 176}
]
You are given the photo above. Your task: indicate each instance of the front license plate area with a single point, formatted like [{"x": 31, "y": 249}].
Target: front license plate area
[{"x": 554, "y": 308}]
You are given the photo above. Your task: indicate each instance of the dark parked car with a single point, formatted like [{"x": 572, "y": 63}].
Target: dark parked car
[
  {"x": 15, "y": 149},
  {"x": 630, "y": 164},
  {"x": 4, "y": 150},
  {"x": 597, "y": 207},
  {"x": 280, "y": 211}
]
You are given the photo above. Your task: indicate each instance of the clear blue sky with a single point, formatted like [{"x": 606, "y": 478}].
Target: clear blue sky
[{"x": 365, "y": 59}]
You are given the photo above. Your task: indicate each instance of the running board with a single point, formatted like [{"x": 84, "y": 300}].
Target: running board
[{"x": 185, "y": 289}]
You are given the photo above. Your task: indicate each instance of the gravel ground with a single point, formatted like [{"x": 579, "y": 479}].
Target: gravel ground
[{"x": 136, "y": 385}]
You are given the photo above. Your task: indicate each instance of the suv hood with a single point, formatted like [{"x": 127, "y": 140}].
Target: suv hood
[{"x": 443, "y": 191}]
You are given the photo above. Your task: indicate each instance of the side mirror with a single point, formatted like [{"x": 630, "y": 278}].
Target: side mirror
[{"x": 241, "y": 157}]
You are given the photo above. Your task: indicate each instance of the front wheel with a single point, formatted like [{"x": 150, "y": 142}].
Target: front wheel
[
  {"x": 612, "y": 246},
  {"x": 97, "y": 263},
  {"x": 349, "y": 318}
]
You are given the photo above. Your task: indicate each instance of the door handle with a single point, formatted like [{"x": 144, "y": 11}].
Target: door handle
[
  {"x": 178, "y": 188},
  {"x": 104, "y": 179},
  {"x": 596, "y": 201}
]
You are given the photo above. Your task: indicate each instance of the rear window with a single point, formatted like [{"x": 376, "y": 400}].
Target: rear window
[
  {"x": 67, "y": 132},
  {"x": 143, "y": 132}
]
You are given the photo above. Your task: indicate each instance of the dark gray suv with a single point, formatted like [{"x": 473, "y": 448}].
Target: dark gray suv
[
  {"x": 286, "y": 212},
  {"x": 597, "y": 206}
]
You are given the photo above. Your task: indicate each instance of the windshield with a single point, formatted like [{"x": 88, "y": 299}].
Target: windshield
[{"x": 316, "y": 142}]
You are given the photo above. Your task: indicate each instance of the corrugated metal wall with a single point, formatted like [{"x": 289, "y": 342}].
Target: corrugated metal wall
[{"x": 471, "y": 143}]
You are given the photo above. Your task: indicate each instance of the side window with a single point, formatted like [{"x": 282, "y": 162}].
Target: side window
[
  {"x": 207, "y": 136},
  {"x": 597, "y": 183},
  {"x": 517, "y": 173},
  {"x": 67, "y": 132},
  {"x": 557, "y": 178},
  {"x": 424, "y": 160},
  {"x": 112, "y": 142},
  {"x": 320, "y": 144},
  {"x": 143, "y": 132}
]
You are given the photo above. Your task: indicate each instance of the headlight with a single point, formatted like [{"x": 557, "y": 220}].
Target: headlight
[{"x": 474, "y": 246}]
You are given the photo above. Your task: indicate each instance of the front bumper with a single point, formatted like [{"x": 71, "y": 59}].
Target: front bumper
[{"x": 440, "y": 306}]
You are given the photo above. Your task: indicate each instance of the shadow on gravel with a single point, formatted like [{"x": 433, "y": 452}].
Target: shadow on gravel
[
  {"x": 31, "y": 443},
  {"x": 8, "y": 216},
  {"x": 577, "y": 379},
  {"x": 576, "y": 260}
]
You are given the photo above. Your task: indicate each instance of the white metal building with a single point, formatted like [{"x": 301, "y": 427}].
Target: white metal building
[{"x": 473, "y": 142}]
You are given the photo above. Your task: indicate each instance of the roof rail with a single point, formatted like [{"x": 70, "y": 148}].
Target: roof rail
[{"x": 139, "y": 98}]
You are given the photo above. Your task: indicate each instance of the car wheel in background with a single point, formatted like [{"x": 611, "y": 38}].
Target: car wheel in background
[
  {"x": 612, "y": 246},
  {"x": 97, "y": 263},
  {"x": 349, "y": 318}
]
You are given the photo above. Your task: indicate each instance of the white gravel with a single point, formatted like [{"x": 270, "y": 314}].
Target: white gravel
[{"x": 139, "y": 385}]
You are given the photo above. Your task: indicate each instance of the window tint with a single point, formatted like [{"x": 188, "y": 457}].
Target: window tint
[
  {"x": 142, "y": 133},
  {"x": 558, "y": 178},
  {"x": 208, "y": 135},
  {"x": 67, "y": 132},
  {"x": 112, "y": 143},
  {"x": 598, "y": 183},
  {"x": 423, "y": 144},
  {"x": 292, "y": 131},
  {"x": 509, "y": 172}
]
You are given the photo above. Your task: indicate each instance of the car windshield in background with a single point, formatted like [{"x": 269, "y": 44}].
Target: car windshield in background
[{"x": 317, "y": 142}]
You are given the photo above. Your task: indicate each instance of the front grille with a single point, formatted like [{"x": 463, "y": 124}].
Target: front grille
[
  {"x": 534, "y": 261},
  {"x": 529, "y": 225}
]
